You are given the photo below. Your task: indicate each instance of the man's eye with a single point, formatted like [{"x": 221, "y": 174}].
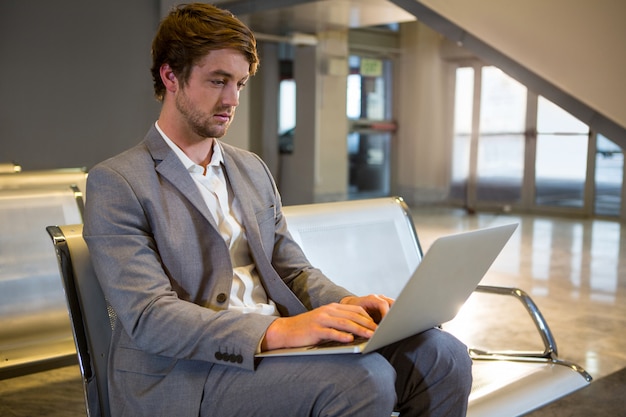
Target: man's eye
[{"x": 219, "y": 82}]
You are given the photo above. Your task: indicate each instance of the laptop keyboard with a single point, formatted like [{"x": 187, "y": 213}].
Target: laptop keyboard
[{"x": 333, "y": 343}]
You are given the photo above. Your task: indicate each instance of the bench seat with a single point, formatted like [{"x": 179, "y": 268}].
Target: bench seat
[{"x": 371, "y": 246}]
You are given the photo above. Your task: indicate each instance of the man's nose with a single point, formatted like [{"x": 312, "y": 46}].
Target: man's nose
[{"x": 231, "y": 96}]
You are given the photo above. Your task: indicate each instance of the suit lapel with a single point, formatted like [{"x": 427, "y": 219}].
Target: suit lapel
[
  {"x": 168, "y": 165},
  {"x": 288, "y": 304}
]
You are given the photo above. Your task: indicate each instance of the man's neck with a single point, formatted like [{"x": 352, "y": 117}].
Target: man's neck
[{"x": 199, "y": 150}]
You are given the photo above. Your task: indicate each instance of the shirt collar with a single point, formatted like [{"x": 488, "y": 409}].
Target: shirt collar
[{"x": 216, "y": 159}]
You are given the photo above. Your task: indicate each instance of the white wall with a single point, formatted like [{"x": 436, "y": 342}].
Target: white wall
[
  {"x": 331, "y": 168},
  {"x": 422, "y": 142},
  {"x": 578, "y": 46},
  {"x": 317, "y": 170}
]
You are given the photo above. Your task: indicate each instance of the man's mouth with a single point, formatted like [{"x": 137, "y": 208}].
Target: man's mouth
[{"x": 222, "y": 117}]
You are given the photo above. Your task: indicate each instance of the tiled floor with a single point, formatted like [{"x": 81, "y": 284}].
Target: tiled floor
[{"x": 575, "y": 270}]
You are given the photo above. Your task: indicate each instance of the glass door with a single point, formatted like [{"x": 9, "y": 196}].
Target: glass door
[
  {"x": 500, "y": 162},
  {"x": 515, "y": 149},
  {"x": 561, "y": 157},
  {"x": 489, "y": 138},
  {"x": 609, "y": 177},
  {"x": 370, "y": 132}
]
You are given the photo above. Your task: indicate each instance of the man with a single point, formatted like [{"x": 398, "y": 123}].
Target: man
[{"x": 192, "y": 251}]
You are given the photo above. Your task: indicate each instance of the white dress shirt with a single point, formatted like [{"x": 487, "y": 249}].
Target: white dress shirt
[{"x": 247, "y": 293}]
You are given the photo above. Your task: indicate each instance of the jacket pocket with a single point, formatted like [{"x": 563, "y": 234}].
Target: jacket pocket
[{"x": 136, "y": 361}]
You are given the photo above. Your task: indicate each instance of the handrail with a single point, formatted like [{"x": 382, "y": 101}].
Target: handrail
[
  {"x": 549, "y": 343},
  {"x": 550, "y": 353}
]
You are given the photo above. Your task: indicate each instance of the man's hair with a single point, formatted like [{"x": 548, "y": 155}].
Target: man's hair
[{"x": 189, "y": 33}]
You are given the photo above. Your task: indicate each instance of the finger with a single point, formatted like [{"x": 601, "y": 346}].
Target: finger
[
  {"x": 377, "y": 306},
  {"x": 388, "y": 300},
  {"x": 352, "y": 312},
  {"x": 353, "y": 323}
]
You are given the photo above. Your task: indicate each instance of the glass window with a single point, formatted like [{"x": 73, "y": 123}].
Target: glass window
[
  {"x": 503, "y": 103},
  {"x": 287, "y": 106},
  {"x": 561, "y": 159},
  {"x": 369, "y": 142},
  {"x": 463, "y": 105},
  {"x": 500, "y": 165},
  {"x": 354, "y": 89},
  {"x": 559, "y": 175},
  {"x": 609, "y": 177},
  {"x": 369, "y": 88},
  {"x": 286, "y": 115}
]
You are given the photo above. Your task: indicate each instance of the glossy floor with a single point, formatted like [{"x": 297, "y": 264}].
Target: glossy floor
[{"x": 574, "y": 270}]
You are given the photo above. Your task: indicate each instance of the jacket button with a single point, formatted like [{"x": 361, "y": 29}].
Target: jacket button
[
  {"x": 218, "y": 356},
  {"x": 221, "y": 297}
]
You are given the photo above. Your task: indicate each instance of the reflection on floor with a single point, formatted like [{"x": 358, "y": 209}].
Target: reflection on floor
[{"x": 575, "y": 270}]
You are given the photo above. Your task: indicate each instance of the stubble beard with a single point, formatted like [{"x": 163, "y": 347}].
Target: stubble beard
[{"x": 201, "y": 123}]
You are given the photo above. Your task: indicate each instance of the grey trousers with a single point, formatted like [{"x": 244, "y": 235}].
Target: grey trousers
[{"x": 425, "y": 375}]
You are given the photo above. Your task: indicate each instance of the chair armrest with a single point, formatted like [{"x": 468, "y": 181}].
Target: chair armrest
[{"x": 549, "y": 343}]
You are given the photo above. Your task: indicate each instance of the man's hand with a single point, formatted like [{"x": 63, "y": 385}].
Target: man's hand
[
  {"x": 375, "y": 305},
  {"x": 352, "y": 316}
]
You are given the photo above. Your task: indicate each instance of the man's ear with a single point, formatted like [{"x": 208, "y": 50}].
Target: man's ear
[{"x": 169, "y": 78}]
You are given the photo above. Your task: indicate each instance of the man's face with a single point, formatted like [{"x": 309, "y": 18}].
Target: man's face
[{"x": 208, "y": 101}]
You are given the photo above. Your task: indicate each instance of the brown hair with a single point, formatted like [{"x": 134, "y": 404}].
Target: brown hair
[{"x": 190, "y": 32}]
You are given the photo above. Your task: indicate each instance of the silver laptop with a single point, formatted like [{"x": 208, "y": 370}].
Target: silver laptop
[{"x": 444, "y": 279}]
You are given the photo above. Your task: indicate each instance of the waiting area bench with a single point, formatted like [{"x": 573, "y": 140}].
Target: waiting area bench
[
  {"x": 371, "y": 246},
  {"x": 367, "y": 246},
  {"x": 35, "y": 332}
]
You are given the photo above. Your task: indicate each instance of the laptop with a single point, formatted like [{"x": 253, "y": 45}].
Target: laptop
[{"x": 447, "y": 275}]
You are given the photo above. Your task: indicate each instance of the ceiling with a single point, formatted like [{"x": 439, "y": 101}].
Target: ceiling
[
  {"x": 461, "y": 21},
  {"x": 280, "y": 17}
]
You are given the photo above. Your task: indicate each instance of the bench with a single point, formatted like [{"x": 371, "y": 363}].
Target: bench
[
  {"x": 9, "y": 168},
  {"x": 356, "y": 243},
  {"x": 35, "y": 332},
  {"x": 75, "y": 178}
]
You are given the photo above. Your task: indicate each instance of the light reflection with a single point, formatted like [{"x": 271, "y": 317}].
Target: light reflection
[
  {"x": 591, "y": 362},
  {"x": 541, "y": 249},
  {"x": 575, "y": 259},
  {"x": 574, "y": 269},
  {"x": 605, "y": 238}
]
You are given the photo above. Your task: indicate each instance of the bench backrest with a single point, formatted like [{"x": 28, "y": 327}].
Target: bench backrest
[
  {"x": 367, "y": 246},
  {"x": 34, "y": 327},
  {"x": 91, "y": 318},
  {"x": 30, "y": 288},
  {"x": 44, "y": 179}
]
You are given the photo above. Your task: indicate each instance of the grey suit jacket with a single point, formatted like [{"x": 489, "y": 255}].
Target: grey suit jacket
[{"x": 166, "y": 272}]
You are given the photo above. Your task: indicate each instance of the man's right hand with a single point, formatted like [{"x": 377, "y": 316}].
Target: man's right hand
[{"x": 338, "y": 322}]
